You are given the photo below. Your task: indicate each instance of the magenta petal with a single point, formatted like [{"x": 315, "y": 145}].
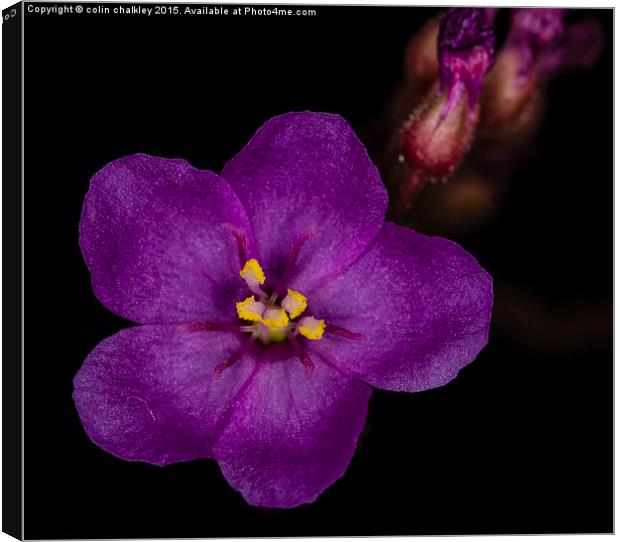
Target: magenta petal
[
  {"x": 422, "y": 303},
  {"x": 154, "y": 238},
  {"x": 290, "y": 437},
  {"x": 305, "y": 170},
  {"x": 147, "y": 393}
]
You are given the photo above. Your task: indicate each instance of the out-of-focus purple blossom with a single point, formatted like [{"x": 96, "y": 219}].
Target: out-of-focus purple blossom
[
  {"x": 547, "y": 44},
  {"x": 466, "y": 50},
  {"x": 539, "y": 46},
  {"x": 490, "y": 14},
  {"x": 538, "y": 27},
  {"x": 268, "y": 370},
  {"x": 578, "y": 49}
]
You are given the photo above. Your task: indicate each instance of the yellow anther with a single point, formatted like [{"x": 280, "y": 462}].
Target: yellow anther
[
  {"x": 250, "y": 309},
  {"x": 275, "y": 317},
  {"x": 311, "y": 328},
  {"x": 252, "y": 272},
  {"x": 294, "y": 303}
]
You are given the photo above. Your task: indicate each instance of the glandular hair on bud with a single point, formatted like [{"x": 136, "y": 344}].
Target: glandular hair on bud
[{"x": 435, "y": 141}]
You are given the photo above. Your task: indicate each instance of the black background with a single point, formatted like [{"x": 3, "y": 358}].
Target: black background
[{"x": 519, "y": 443}]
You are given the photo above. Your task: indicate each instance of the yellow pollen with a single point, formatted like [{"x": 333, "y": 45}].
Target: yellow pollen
[
  {"x": 250, "y": 309},
  {"x": 311, "y": 328},
  {"x": 294, "y": 303},
  {"x": 275, "y": 317},
  {"x": 252, "y": 272}
]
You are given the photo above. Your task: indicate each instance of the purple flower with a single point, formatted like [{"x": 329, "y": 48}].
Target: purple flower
[
  {"x": 271, "y": 297},
  {"x": 466, "y": 48}
]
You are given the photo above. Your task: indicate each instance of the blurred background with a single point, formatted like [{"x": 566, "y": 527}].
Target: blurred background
[{"x": 520, "y": 442}]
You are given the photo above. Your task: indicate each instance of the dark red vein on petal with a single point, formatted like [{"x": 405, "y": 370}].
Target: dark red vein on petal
[
  {"x": 194, "y": 327},
  {"x": 232, "y": 359},
  {"x": 292, "y": 259},
  {"x": 345, "y": 333},
  {"x": 226, "y": 416},
  {"x": 303, "y": 356},
  {"x": 241, "y": 243}
]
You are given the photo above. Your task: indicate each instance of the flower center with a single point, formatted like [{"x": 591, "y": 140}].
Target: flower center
[{"x": 273, "y": 321}]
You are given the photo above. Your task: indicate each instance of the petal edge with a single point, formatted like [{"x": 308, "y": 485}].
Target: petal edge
[
  {"x": 304, "y": 170},
  {"x": 153, "y": 237},
  {"x": 424, "y": 316},
  {"x": 291, "y": 438},
  {"x": 147, "y": 392}
]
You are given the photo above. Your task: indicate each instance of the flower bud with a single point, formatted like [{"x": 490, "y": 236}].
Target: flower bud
[
  {"x": 441, "y": 129},
  {"x": 506, "y": 90},
  {"x": 466, "y": 52},
  {"x": 578, "y": 49},
  {"x": 434, "y": 141},
  {"x": 539, "y": 45},
  {"x": 421, "y": 62}
]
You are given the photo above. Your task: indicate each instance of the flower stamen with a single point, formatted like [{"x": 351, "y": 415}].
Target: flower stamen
[
  {"x": 271, "y": 321},
  {"x": 254, "y": 276},
  {"x": 250, "y": 309},
  {"x": 294, "y": 303},
  {"x": 311, "y": 328},
  {"x": 275, "y": 317}
]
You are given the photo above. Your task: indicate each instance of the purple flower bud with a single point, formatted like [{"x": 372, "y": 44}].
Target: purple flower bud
[
  {"x": 578, "y": 48},
  {"x": 466, "y": 48},
  {"x": 532, "y": 31},
  {"x": 441, "y": 128},
  {"x": 546, "y": 44},
  {"x": 421, "y": 63},
  {"x": 434, "y": 142},
  {"x": 539, "y": 27},
  {"x": 539, "y": 46}
]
